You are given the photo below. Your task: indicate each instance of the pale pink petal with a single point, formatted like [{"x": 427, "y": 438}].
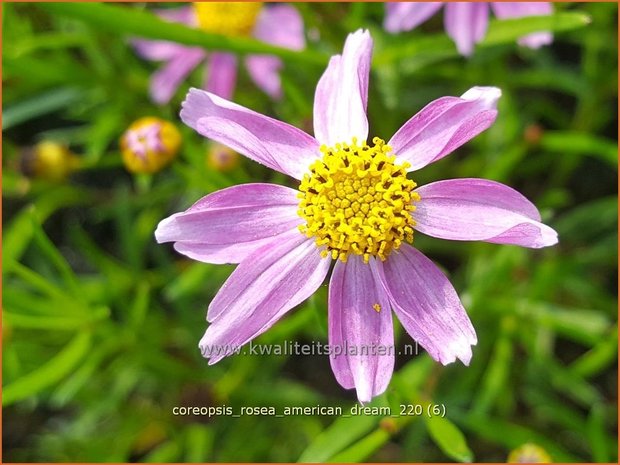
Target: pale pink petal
[
  {"x": 157, "y": 50},
  {"x": 265, "y": 72},
  {"x": 273, "y": 143},
  {"x": 222, "y": 74},
  {"x": 444, "y": 125},
  {"x": 427, "y": 305},
  {"x": 169, "y": 77},
  {"x": 466, "y": 23},
  {"x": 405, "y": 16},
  {"x": 264, "y": 287},
  {"x": 480, "y": 210},
  {"x": 504, "y": 10},
  {"x": 360, "y": 329},
  {"x": 280, "y": 24},
  {"x": 342, "y": 92},
  {"x": 228, "y": 225}
]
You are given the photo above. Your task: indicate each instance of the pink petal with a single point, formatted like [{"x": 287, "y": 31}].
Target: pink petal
[
  {"x": 278, "y": 25},
  {"x": 427, "y": 305},
  {"x": 265, "y": 72},
  {"x": 444, "y": 125},
  {"x": 480, "y": 210},
  {"x": 505, "y": 10},
  {"x": 167, "y": 80},
  {"x": 269, "y": 283},
  {"x": 281, "y": 24},
  {"x": 157, "y": 50},
  {"x": 362, "y": 335},
  {"x": 405, "y": 16},
  {"x": 230, "y": 224},
  {"x": 222, "y": 74},
  {"x": 342, "y": 92},
  {"x": 273, "y": 143},
  {"x": 466, "y": 23}
]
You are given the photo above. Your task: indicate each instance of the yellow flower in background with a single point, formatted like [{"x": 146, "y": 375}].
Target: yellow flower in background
[
  {"x": 49, "y": 160},
  {"x": 221, "y": 158},
  {"x": 529, "y": 453},
  {"x": 149, "y": 144},
  {"x": 227, "y": 18}
]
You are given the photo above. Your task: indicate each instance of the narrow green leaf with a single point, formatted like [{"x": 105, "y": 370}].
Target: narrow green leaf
[
  {"x": 581, "y": 143},
  {"x": 199, "y": 440},
  {"x": 50, "y": 250},
  {"x": 598, "y": 358},
  {"x": 596, "y": 434},
  {"x": 449, "y": 438},
  {"x": 337, "y": 436},
  {"x": 509, "y": 30},
  {"x": 50, "y": 373},
  {"x": 362, "y": 449},
  {"x": 129, "y": 20},
  {"x": 39, "y": 105},
  {"x": 53, "y": 322}
]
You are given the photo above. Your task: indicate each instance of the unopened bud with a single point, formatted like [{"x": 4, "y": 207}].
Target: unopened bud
[
  {"x": 149, "y": 144},
  {"x": 49, "y": 160},
  {"x": 221, "y": 158},
  {"x": 529, "y": 453}
]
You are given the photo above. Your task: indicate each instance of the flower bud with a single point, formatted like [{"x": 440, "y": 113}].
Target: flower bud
[
  {"x": 49, "y": 160},
  {"x": 221, "y": 158},
  {"x": 149, "y": 144},
  {"x": 529, "y": 453}
]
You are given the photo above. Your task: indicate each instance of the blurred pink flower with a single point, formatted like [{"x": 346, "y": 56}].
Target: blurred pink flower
[
  {"x": 466, "y": 22},
  {"x": 354, "y": 205},
  {"x": 277, "y": 24}
]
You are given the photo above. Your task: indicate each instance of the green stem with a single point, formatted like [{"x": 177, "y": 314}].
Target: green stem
[{"x": 142, "y": 23}]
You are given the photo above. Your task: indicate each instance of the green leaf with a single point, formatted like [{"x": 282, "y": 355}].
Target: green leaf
[
  {"x": 449, "y": 438},
  {"x": 337, "y": 436},
  {"x": 50, "y": 373},
  {"x": 42, "y": 104},
  {"x": 603, "y": 354},
  {"x": 509, "y": 30},
  {"x": 131, "y": 21},
  {"x": 53, "y": 322},
  {"x": 581, "y": 143},
  {"x": 363, "y": 449}
]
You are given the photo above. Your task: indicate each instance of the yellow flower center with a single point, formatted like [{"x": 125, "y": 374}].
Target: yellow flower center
[
  {"x": 357, "y": 200},
  {"x": 227, "y": 18}
]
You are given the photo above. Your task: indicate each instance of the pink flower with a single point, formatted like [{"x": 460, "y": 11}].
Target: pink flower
[
  {"x": 466, "y": 22},
  {"x": 354, "y": 206},
  {"x": 276, "y": 24}
]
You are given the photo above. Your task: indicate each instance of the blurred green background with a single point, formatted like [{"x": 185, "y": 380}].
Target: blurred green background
[{"x": 101, "y": 325}]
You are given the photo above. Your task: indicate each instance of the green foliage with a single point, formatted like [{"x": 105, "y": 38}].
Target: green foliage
[{"x": 101, "y": 324}]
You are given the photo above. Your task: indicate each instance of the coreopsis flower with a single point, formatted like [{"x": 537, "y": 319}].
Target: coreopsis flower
[
  {"x": 274, "y": 24},
  {"x": 356, "y": 207},
  {"x": 466, "y": 22},
  {"x": 149, "y": 144}
]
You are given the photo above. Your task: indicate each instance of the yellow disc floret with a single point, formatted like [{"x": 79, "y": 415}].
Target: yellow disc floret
[
  {"x": 357, "y": 200},
  {"x": 227, "y": 18}
]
